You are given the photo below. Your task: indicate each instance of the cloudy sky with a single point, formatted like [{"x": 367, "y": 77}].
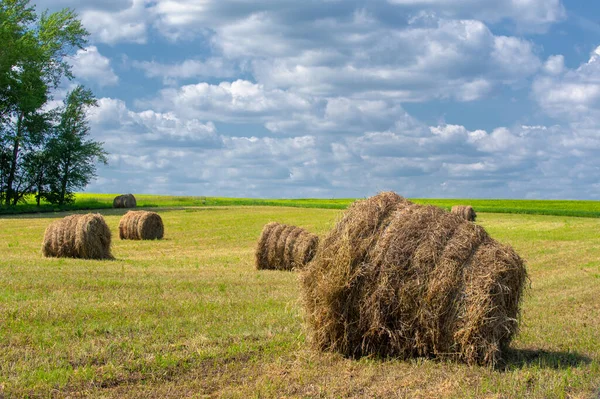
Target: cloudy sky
[{"x": 344, "y": 98}]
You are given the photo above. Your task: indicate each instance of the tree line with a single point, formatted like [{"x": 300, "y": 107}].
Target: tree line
[{"x": 46, "y": 150}]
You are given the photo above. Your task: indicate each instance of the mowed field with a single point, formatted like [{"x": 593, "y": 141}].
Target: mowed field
[{"x": 189, "y": 316}]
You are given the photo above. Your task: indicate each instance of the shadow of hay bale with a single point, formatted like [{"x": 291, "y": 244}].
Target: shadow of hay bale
[
  {"x": 283, "y": 247},
  {"x": 398, "y": 279},
  {"x": 78, "y": 236},
  {"x": 521, "y": 358},
  {"x": 141, "y": 225}
]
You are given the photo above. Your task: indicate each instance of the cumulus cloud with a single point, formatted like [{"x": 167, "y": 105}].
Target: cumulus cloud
[
  {"x": 427, "y": 59},
  {"x": 106, "y": 5},
  {"x": 528, "y": 15},
  {"x": 238, "y": 101},
  {"x": 176, "y": 17},
  {"x": 178, "y": 152},
  {"x": 121, "y": 129},
  {"x": 573, "y": 94},
  {"x": 335, "y": 48},
  {"x": 123, "y": 25},
  {"x": 188, "y": 69},
  {"x": 554, "y": 65},
  {"x": 316, "y": 95},
  {"x": 89, "y": 65}
]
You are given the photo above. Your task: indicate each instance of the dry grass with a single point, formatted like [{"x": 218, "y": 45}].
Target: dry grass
[
  {"x": 399, "y": 279},
  {"x": 189, "y": 316},
  {"x": 78, "y": 236},
  {"x": 465, "y": 211},
  {"x": 141, "y": 225},
  {"x": 283, "y": 247}
]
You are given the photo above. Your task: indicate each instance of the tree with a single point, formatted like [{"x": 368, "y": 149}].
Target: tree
[
  {"x": 71, "y": 153},
  {"x": 32, "y": 64}
]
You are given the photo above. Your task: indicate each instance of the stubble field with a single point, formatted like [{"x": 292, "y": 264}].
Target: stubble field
[{"x": 189, "y": 316}]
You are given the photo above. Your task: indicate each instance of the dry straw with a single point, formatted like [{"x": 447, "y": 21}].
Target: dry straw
[
  {"x": 398, "y": 279},
  {"x": 124, "y": 201},
  {"x": 283, "y": 247},
  {"x": 465, "y": 211},
  {"x": 141, "y": 225},
  {"x": 78, "y": 236}
]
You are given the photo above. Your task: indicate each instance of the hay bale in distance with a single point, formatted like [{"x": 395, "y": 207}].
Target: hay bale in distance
[
  {"x": 393, "y": 278},
  {"x": 124, "y": 201},
  {"x": 78, "y": 236},
  {"x": 283, "y": 247},
  {"x": 141, "y": 225},
  {"x": 465, "y": 211}
]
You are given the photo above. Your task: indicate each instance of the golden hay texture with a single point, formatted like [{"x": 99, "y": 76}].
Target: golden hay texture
[
  {"x": 465, "y": 211},
  {"x": 283, "y": 247},
  {"x": 141, "y": 225},
  {"x": 124, "y": 201},
  {"x": 398, "y": 279},
  {"x": 78, "y": 236}
]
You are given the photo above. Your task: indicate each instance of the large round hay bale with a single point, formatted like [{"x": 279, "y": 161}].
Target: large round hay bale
[
  {"x": 124, "y": 201},
  {"x": 141, "y": 225},
  {"x": 283, "y": 247},
  {"x": 465, "y": 211},
  {"x": 78, "y": 236},
  {"x": 393, "y": 278}
]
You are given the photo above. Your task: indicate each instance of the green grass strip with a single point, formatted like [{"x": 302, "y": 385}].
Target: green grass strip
[{"x": 90, "y": 201}]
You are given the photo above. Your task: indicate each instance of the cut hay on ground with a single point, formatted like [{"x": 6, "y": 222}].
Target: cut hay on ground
[
  {"x": 141, "y": 225},
  {"x": 465, "y": 211},
  {"x": 124, "y": 201},
  {"x": 283, "y": 247},
  {"x": 398, "y": 279},
  {"x": 78, "y": 236}
]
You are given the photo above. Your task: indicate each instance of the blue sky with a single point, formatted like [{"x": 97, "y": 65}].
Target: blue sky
[{"x": 344, "y": 98}]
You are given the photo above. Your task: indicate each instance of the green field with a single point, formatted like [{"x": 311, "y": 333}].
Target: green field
[
  {"x": 189, "y": 316},
  {"x": 87, "y": 201}
]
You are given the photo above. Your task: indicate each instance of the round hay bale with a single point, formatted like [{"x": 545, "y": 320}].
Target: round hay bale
[
  {"x": 465, "y": 211},
  {"x": 78, "y": 236},
  {"x": 141, "y": 225},
  {"x": 124, "y": 201},
  {"x": 398, "y": 279},
  {"x": 283, "y": 247}
]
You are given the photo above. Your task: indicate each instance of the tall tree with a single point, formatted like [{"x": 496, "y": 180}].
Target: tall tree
[
  {"x": 32, "y": 64},
  {"x": 72, "y": 154},
  {"x": 37, "y": 160}
]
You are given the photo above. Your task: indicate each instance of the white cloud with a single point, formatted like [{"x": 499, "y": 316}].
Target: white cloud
[
  {"x": 554, "y": 65},
  {"x": 332, "y": 48},
  {"x": 188, "y": 69},
  {"x": 88, "y": 64},
  {"x": 514, "y": 57},
  {"x": 106, "y": 5},
  {"x": 288, "y": 98},
  {"x": 121, "y": 128},
  {"x": 430, "y": 58},
  {"x": 177, "y": 152},
  {"x": 126, "y": 25},
  {"x": 573, "y": 94},
  {"x": 528, "y": 15},
  {"x": 236, "y": 101}
]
